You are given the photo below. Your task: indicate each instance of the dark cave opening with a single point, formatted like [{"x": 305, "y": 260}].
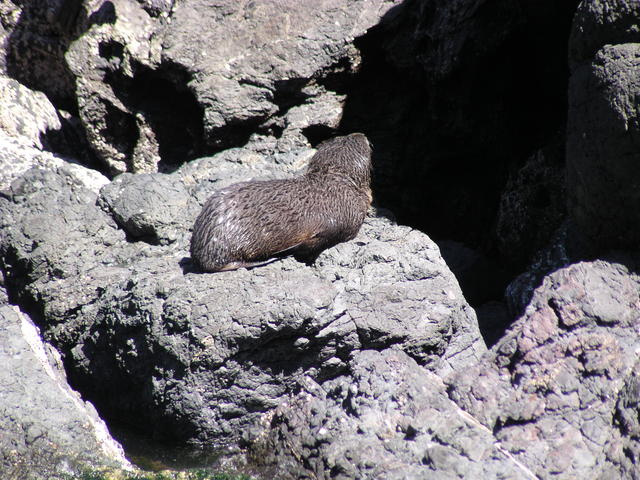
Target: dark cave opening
[
  {"x": 170, "y": 109},
  {"x": 445, "y": 147}
]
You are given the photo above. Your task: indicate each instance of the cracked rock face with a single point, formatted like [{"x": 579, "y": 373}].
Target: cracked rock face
[
  {"x": 170, "y": 85},
  {"x": 198, "y": 357},
  {"x": 387, "y": 418},
  {"x": 558, "y": 388}
]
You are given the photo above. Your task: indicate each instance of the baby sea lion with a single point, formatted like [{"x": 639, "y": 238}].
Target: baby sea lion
[{"x": 248, "y": 223}]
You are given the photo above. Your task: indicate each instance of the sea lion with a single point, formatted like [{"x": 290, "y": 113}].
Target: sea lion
[{"x": 248, "y": 223}]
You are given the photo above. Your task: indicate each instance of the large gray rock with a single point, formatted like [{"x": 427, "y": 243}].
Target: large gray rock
[
  {"x": 603, "y": 130},
  {"x": 48, "y": 431},
  {"x": 199, "y": 357},
  {"x": 388, "y": 418},
  {"x": 559, "y": 390},
  {"x": 162, "y": 85}
]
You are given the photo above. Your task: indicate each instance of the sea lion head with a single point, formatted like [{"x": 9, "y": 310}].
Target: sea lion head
[{"x": 349, "y": 155}]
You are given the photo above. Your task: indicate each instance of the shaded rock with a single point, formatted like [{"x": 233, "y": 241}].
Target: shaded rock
[
  {"x": 603, "y": 130},
  {"x": 279, "y": 56},
  {"x": 481, "y": 278},
  {"x": 599, "y": 23},
  {"x": 554, "y": 390},
  {"x": 493, "y": 319},
  {"x": 386, "y": 418},
  {"x": 199, "y": 357},
  {"x": 38, "y": 35},
  {"x": 29, "y": 126},
  {"x": 118, "y": 40},
  {"x": 554, "y": 256},
  {"x": 16, "y": 158},
  {"x": 622, "y": 449},
  {"x": 47, "y": 429},
  {"x": 436, "y": 95},
  {"x": 532, "y": 205}
]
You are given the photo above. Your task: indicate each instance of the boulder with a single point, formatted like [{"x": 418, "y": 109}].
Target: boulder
[
  {"x": 48, "y": 431},
  {"x": 603, "y": 128},
  {"x": 199, "y": 357},
  {"x": 440, "y": 95},
  {"x": 386, "y": 418},
  {"x": 558, "y": 390}
]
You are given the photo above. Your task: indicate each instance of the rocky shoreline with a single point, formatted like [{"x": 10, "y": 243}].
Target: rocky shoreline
[{"x": 485, "y": 321}]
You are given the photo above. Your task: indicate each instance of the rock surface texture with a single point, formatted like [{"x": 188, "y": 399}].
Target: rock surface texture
[
  {"x": 557, "y": 389},
  {"x": 47, "y": 429},
  {"x": 388, "y": 418},
  {"x": 603, "y": 131},
  {"x": 119, "y": 118},
  {"x": 197, "y": 355},
  {"x": 169, "y": 85}
]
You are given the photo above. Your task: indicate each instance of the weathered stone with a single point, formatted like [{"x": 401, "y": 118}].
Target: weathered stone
[
  {"x": 549, "y": 389},
  {"x": 279, "y": 53},
  {"x": 602, "y": 22},
  {"x": 47, "y": 429},
  {"x": 119, "y": 40},
  {"x": 25, "y": 115},
  {"x": 159, "y": 85},
  {"x": 38, "y": 34},
  {"x": 149, "y": 206},
  {"x": 198, "y": 357},
  {"x": 603, "y": 129},
  {"x": 440, "y": 95},
  {"x": 387, "y": 418},
  {"x": 532, "y": 205}
]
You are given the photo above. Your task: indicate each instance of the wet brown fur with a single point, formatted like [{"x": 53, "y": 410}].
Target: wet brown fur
[{"x": 248, "y": 223}]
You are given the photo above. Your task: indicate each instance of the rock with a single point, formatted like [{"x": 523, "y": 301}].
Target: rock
[
  {"x": 30, "y": 130},
  {"x": 621, "y": 450},
  {"x": 557, "y": 254},
  {"x": 532, "y": 206},
  {"x": 557, "y": 388},
  {"x": 602, "y": 22},
  {"x": 387, "y": 418},
  {"x": 149, "y": 207},
  {"x": 119, "y": 40},
  {"x": 16, "y": 158},
  {"x": 38, "y": 34},
  {"x": 47, "y": 429},
  {"x": 493, "y": 319},
  {"x": 26, "y": 115},
  {"x": 603, "y": 128},
  {"x": 279, "y": 56},
  {"x": 481, "y": 278},
  {"x": 159, "y": 84},
  {"x": 436, "y": 95},
  {"x": 199, "y": 357}
]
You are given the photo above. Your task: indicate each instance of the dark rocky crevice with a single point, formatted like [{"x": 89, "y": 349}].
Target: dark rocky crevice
[
  {"x": 289, "y": 93},
  {"x": 37, "y": 61},
  {"x": 447, "y": 140},
  {"x": 317, "y": 134},
  {"x": 161, "y": 97}
]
